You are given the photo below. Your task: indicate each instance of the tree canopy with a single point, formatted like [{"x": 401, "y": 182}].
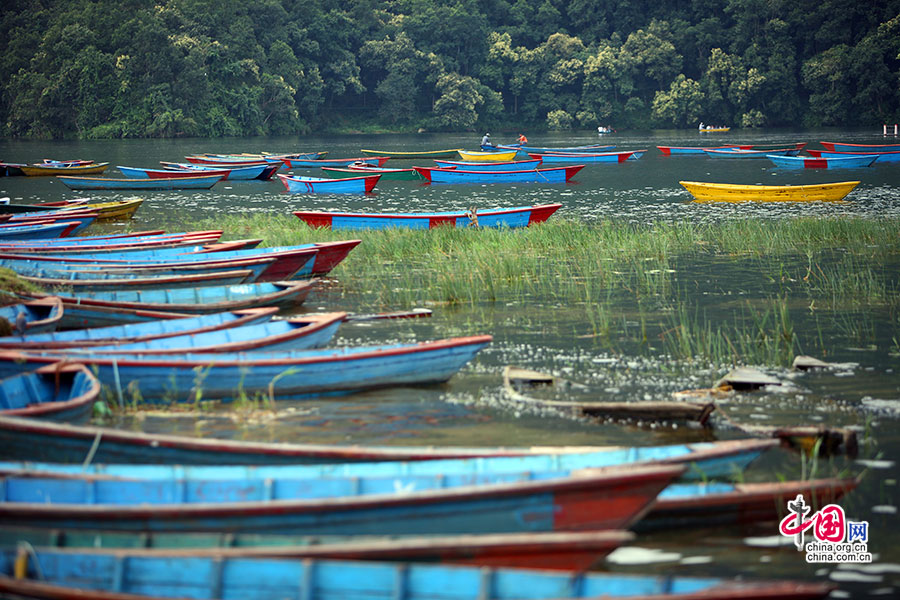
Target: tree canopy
[{"x": 166, "y": 68}]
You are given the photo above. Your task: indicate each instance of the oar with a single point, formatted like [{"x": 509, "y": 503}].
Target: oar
[{"x": 415, "y": 313}]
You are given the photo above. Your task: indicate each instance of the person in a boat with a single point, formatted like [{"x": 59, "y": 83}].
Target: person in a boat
[
  {"x": 486, "y": 140},
  {"x": 701, "y": 125},
  {"x": 523, "y": 139}
]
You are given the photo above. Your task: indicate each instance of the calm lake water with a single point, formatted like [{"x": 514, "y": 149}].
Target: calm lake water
[{"x": 472, "y": 408}]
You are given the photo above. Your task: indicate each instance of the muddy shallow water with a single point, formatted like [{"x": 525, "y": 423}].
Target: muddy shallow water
[{"x": 619, "y": 353}]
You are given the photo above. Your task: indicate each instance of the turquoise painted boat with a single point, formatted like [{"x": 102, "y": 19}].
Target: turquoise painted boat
[
  {"x": 162, "y": 183},
  {"x": 320, "y": 185},
  {"x": 295, "y": 374},
  {"x": 883, "y": 157},
  {"x": 522, "y": 216},
  {"x": 137, "y": 332},
  {"x": 120, "y": 575},
  {"x": 842, "y": 162},
  {"x": 548, "y": 175},
  {"x": 35, "y": 317},
  {"x": 613, "y": 498},
  {"x": 514, "y": 165},
  {"x": 587, "y": 158},
  {"x": 59, "y": 392}
]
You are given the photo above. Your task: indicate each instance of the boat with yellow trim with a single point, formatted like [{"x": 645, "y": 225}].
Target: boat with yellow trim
[
  {"x": 60, "y": 169},
  {"x": 488, "y": 156},
  {"x": 730, "y": 192}
]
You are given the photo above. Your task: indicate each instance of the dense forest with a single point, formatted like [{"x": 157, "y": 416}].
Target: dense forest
[{"x": 164, "y": 68}]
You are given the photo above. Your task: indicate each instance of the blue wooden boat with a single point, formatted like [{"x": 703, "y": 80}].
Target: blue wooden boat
[
  {"x": 301, "y": 163},
  {"x": 205, "y": 241},
  {"x": 327, "y": 256},
  {"x": 521, "y": 216},
  {"x": 557, "y": 550},
  {"x": 742, "y": 153},
  {"x": 296, "y": 374},
  {"x": 35, "y": 317},
  {"x": 325, "y": 185},
  {"x": 142, "y": 173},
  {"x": 167, "y": 183},
  {"x": 23, "y": 439},
  {"x": 262, "y": 171},
  {"x": 119, "y": 575},
  {"x": 860, "y": 148},
  {"x": 292, "y": 333},
  {"x": 137, "y": 332},
  {"x": 37, "y": 231},
  {"x": 526, "y": 149},
  {"x": 274, "y": 264},
  {"x": 515, "y": 165},
  {"x": 613, "y": 498},
  {"x": 190, "y": 300},
  {"x": 586, "y": 158},
  {"x": 548, "y": 175},
  {"x": 65, "y": 392},
  {"x": 883, "y": 157},
  {"x": 803, "y": 162},
  {"x": 697, "y": 150},
  {"x": 113, "y": 281},
  {"x": 706, "y": 461}
]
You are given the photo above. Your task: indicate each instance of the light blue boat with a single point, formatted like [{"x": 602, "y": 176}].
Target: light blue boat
[
  {"x": 705, "y": 460},
  {"x": 59, "y": 573},
  {"x": 34, "y": 317},
  {"x": 295, "y": 374},
  {"x": 118, "y": 334},
  {"x": 805, "y": 162},
  {"x": 169, "y": 183},
  {"x": 515, "y": 165},
  {"x": 57, "y": 392}
]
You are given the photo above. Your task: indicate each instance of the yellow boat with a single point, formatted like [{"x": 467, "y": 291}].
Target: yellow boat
[
  {"x": 715, "y": 129},
  {"x": 488, "y": 156},
  {"x": 729, "y": 192},
  {"x": 50, "y": 169},
  {"x": 116, "y": 209}
]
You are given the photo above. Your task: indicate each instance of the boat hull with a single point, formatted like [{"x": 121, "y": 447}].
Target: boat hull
[
  {"x": 500, "y": 156},
  {"x": 514, "y": 217},
  {"x": 859, "y": 148},
  {"x": 600, "y": 157},
  {"x": 724, "y": 192},
  {"x": 58, "y": 392},
  {"x": 168, "y": 183},
  {"x": 452, "y": 153},
  {"x": 39, "y": 316},
  {"x": 802, "y": 162},
  {"x": 54, "y": 169},
  {"x": 548, "y": 175},
  {"x": 299, "y": 374},
  {"x": 319, "y": 185},
  {"x": 515, "y": 165}
]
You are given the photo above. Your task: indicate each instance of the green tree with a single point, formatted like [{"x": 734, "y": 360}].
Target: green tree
[{"x": 681, "y": 106}]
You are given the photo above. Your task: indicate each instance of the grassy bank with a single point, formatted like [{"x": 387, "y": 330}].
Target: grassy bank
[{"x": 724, "y": 292}]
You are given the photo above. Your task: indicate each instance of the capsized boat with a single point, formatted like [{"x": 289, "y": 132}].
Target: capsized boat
[
  {"x": 730, "y": 192},
  {"x": 521, "y": 216}
]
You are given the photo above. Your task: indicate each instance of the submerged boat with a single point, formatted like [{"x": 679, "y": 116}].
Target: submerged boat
[
  {"x": 63, "y": 392},
  {"x": 321, "y": 185},
  {"x": 161, "y": 183},
  {"x": 803, "y": 162},
  {"x": 288, "y": 374},
  {"x": 547, "y": 175},
  {"x": 522, "y": 216},
  {"x": 729, "y": 192},
  {"x": 38, "y": 316}
]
